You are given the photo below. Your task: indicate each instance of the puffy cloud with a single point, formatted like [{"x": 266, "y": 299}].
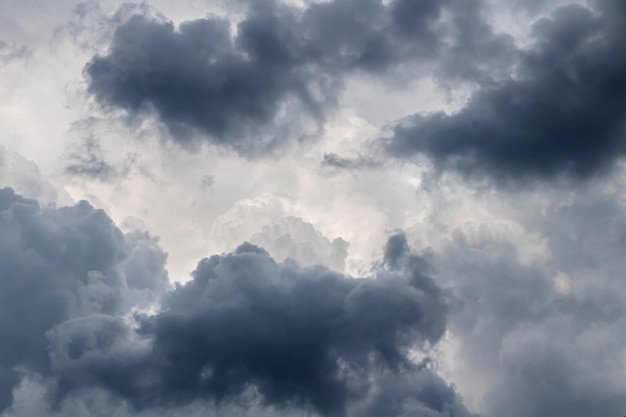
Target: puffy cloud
[
  {"x": 245, "y": 331},
  {"x": 61, "y": 264},
  {"x": 332, "y": 160},
  {"x": 205, "y": 82},
  {"x": 248, "y": 329},
  {"x": 270, "y": 222},
  {"x": 26, "y": 179},
  {"x": 559, "y": 113}
]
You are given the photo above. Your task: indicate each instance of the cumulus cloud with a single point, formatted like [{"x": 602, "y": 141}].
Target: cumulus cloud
[
  {"x": 25, "y": 178},
  {"x": 207, "y": 79},
  {"x": 269, "y": 221},
  {"x": 560, "y": 113},
  {"x": 332, "y": 160},
  {"x": 86, "y": 160},
  {"x": 62, "y": 264},
  {"x": 245, "y": 330},
  {"x": 515, "y": 301},
  {"x": 248, "y": 327}
]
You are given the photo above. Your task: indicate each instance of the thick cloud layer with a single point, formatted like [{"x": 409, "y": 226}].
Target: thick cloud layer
[
  {"x": 545, "y": 334},
  {"x": 200, "y": 79},
  {"x": 247, "y": 326},
  {"x": 244, "y": 330},
  {"x": 63, "y": 264},
  {"x": 561, "y": 113}
]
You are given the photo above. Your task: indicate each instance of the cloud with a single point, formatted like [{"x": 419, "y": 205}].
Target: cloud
[
  {"x": 544, "y": 335},
  {"x": 26, "y": 179},
  {"x": 332, "y": 160},
  {"x": 207, "y": 84},
  {"x": 246, "y": 331},
  {"x": 269, "y": 221},
  {"x": 62, "y": 264},
  {"x": 12, "y": 52},
  {"x": 246, "y": 328},
  {"x": 560, "y": 113},
  {"x": 293, "y": 238},
  {"x": 198, "y": 78},
  {"x": 86, "y": 160}
]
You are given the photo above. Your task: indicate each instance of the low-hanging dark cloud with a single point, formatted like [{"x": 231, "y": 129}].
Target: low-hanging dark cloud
[
  {"x": 299, "y": 338},
  {"x": 203, "y": 82},
  {"x": 562, "y": 114},
  {"x": 60, "y": 264},
  {"x": 245, "y": 330}
]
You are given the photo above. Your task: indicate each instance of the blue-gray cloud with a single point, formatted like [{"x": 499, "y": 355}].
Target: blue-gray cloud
[
  {"x": 544, "y": 336},
  {"x": 308, "y": 338},
  {"x": 561, "y": 115},
  {"x": 60, "y": 264},
  {"x": 204, "y": 83},
  {"x": 245, "y": 328}
]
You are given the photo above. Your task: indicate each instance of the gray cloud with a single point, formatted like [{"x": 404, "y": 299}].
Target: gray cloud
[
  {"x": 244, "y": 332},
  {"x": 59, "y": 264},
  {"x": 10, "y": 52},
  {"x": 291, "y": 237},
  {"x": 544, "y": 336},
  {"x": 332, "y": 160},
  {"x": 203, "y": 82},
  {"x": 198, "y": 78},
  {"x": 246, "y": 328},
  {"x": 561, "y": 115},
  {"x": 421, "y": 393},
  {"x": 86, "y": 160}
]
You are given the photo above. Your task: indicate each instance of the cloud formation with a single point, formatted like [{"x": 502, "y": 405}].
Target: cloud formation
[
  {"x": 62, "y": 264},
  {"x": 524, "y": 315},
  {"x": 243, "y": 327},
  {"x": 246, "y": 325},
  {"x": 543, "y": 333},
  {"x": 332, "y": 160},
  {"x": 204, "y": 82},
  {"x": 561, "y": 113}
]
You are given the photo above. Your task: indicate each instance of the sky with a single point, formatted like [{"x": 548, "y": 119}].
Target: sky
[{"x": 334, "y": 208}]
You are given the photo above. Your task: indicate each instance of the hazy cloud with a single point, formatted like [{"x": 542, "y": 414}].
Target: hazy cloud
[
  {"x": 544, "y": 335},
  {"x": 86, "y": 160},
  {"x": 332, "y": 160},
  {"x": 10, "y": 52}
]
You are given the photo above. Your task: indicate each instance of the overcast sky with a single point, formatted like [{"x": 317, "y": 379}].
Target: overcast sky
[{"x": 345, "y": 208}]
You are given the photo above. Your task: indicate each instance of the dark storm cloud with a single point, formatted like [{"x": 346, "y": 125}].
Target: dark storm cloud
[
  {"x": 245, "y": 331},
  {"x": 198, "y": 77},
  {"x": 59, "y": 264},
  {"x": 421, "y": 393},
  {"x": 310, "y": 339},
  {"x": 202, "y": 80},
  {"x": 563, "y": 113}
]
